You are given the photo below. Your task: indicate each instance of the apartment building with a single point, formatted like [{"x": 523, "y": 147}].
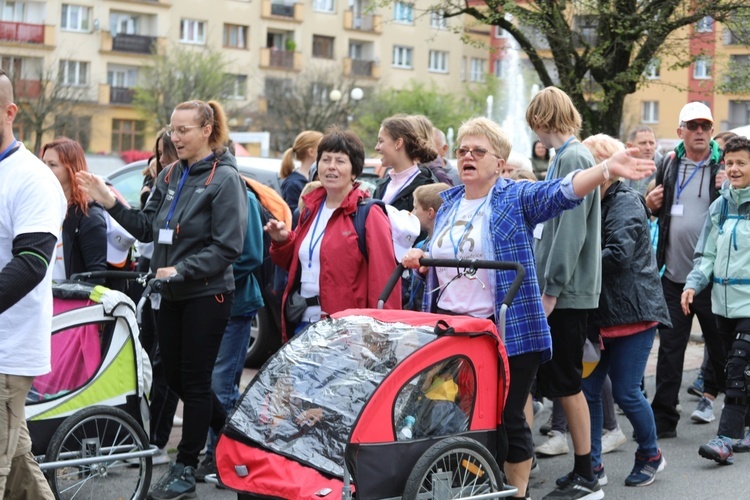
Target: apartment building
[{"x": 101, "y": 47}]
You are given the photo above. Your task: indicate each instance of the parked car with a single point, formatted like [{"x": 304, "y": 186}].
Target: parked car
[{"x": 103, "y": 165}]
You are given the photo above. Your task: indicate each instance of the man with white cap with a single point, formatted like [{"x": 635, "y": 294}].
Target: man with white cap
[{"x": 687, "y": 181}]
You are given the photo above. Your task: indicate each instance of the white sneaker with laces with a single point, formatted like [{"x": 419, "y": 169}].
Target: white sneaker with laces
[
  {"x": 160, "y": 458},
  {"x": 704, "y": 414},
  {"x": 557, "y": 444},
  {"x": 611, "y": 440}
]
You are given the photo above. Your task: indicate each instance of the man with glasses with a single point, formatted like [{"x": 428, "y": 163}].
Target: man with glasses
[{"x": 687, "y": 181}]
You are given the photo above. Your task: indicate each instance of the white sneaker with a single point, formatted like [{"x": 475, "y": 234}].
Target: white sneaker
[
  {"x": 160, "y": 458},
  {"x": 557, "y": 444},
  {"x": 704, "y": 414},
  {"x": 177, "y": 421},
  {"x": 611, "y": 440}
]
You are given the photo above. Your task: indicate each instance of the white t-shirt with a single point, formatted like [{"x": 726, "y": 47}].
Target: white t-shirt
[
  {"x": 462, "y": 239},
  {"x": 58, "y": 268},
  {"x": 309, "y": 260},
  {"x": 31, "y": 201}
]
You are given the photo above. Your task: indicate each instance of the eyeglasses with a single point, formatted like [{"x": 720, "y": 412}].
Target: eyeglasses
[
  {"x": 181, "y": 130},
  {"x": 476, "y": 153},
  {"x": 693, "y": 126}
]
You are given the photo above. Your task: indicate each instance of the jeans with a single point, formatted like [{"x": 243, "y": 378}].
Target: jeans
[
  {"x": 624, "y": 359},
  {"x": 225, "y": 380}
]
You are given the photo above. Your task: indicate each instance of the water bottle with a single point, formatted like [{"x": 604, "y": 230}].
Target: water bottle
[{"x": 406, "y": 431}]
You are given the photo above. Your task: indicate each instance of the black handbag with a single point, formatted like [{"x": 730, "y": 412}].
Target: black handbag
[{"x": 296, "y": 305}]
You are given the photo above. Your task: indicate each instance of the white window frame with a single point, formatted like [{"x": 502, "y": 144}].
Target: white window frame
[
  {"x": 702, "y": 68},
  {"x": 235, "y": 32},
  {"x": 239, "y": 87},
  {"x": 17, "y": 11},
  {"x": 328, "y": 6},
  {"x": 653, "y": 69},
  {"x": 438, "y": 20},
  {"x": 478, "y": 70},
  {"x": 705, "y": 25},
  {"x": 403, "y": 12},
  {"x": 499, "y": 68},
  {"x": 403, "y": 57},
  {"x": 650, "y": 112},
  {"x": 438, "y": 61},
  {"x": 74, "y": 73},
  {"x": 192, "y": 31},
  {"x": 499, "y": 32},
  {"x": 128, "y": 77},
  {"x": 464, "y": 62},
  {"x": 71, "y": 13}
]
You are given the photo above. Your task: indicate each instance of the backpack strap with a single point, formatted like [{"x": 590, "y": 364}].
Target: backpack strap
[{"x": 360, "y": 218}]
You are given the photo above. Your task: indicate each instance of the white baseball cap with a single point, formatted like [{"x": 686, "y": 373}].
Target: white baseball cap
[
  {"x": 119, "y": 242},
  {"x": 405, "y": 230},
  {"x": 695, "y": 111}
]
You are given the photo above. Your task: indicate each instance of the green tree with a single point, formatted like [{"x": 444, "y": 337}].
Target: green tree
[
  {"x": 599, "y": 49},
  {"x": 179, "y": 74}
]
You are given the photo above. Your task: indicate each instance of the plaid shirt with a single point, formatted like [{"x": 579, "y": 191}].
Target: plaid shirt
[{"x": 517, "y": 207}]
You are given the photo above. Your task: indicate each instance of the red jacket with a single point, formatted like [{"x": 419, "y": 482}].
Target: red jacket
[{"x": 346, "y": 279}]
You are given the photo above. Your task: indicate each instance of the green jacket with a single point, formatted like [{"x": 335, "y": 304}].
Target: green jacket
[{"x": 722, "y": 254}]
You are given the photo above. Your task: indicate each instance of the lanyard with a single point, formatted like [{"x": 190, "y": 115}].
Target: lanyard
[
  {"x": 314, "y": 241},
  {"x": 176, "y": 195},
  {"x": 7, "y": 150},
  {"x": 404, "y": 185},
  {"x": 685, "y": 182},
  {"x": 467, "y": 227},
  {"x": 551, "y": 170}
]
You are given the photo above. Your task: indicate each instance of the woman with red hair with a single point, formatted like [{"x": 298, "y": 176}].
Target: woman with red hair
[{"x": 82, "y": 246}]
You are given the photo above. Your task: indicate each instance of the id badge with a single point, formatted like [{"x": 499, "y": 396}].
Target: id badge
[
  {"x": 308, "y": 276},
  {"x": 538, "y": 231},
  {"x": 166, "y": 236},
  {"x": 678, "y": 210}
]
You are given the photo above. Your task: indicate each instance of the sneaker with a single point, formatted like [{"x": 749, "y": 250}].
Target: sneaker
[
  {"x": 160, "y": 458},
  {"x": 704, "y": 414},
  {"x": 742, "y": 445},
  {"x": 719, "y": 449},
  {"x": 697, "y": 388},
  {"x": 176, "y": 484},
  {"x": 538, "y": 407},
  {"x": 599, "y": 474},
  {"x": 574, "y": 486},
  {"x": 645, "y": 469},
  {"x": 611, "y": 440},
  {"x": 176, "y": 421},
  {"x": 546, "y": 427},
  {"x": 557, "y": 444},
  {"x": 208, "y": 466}
]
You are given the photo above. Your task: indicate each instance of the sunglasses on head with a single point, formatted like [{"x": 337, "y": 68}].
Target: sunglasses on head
[{"x": 693, "y": 126}]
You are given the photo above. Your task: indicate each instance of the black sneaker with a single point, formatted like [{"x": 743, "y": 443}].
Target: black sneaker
[
  {"x": 546, "y": 427},
  {"x": 208, "y": 466},
  {"x": 576, "y": 487},
  {"x": 176, "y": 484}
]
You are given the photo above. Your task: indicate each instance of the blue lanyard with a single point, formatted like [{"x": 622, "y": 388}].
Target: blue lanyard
[
  {"x": 684, "y": 184},
  {"x": 467, "y": 227},
  {"x": 176, "y": 195},
  {"x": 406, "y": 183},
  {"x": 551, "y": 170},
  {"x": 314, "y": 241},
  {"x": 7, "y": 150}
]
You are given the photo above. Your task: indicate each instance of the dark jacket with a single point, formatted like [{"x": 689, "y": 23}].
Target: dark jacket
[
  {"x": 85, "y": 241},
  {"x": 666, "y": 174},
  {"x": 291, "y": 189},
  {"x": 631, "y": 288},
  {"x": 209, "y": 224},
  {"x": 405, "y": 198}
]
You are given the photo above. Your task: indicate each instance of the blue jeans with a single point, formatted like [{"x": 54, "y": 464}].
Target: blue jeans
[
  {"x": 624, "y": 358},
  {"x": 225, "y": 378}
]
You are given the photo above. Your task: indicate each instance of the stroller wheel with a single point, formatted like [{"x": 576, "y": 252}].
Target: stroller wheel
[
  {"x": 92, "y": 436},
  {"x": 454, "y": 467}
]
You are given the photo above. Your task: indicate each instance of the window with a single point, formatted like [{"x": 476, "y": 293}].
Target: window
[
  {"x": 403, "y": 12},
  {"x": 77, "y": 128},
  {"x": 124, "y": 23},
  {"x": 128, "y": 135},
  {"x": 463, "y": 68},
  {"x": 702, "y": 68},
  {"x": 705, "y": 25},
  {"x": 323, "y": 5},
  {"x": 477, "y": 70},
  {"x": 500, "y": 33},
  {"x": 122, "y": 77},
  {"x": 498, "y": 68},
  {"x": 12, "y": 11},
  {"x": 74, "y": 72},
  {"x": 653, "y": 70},
  {"x": 192, "y": 31},
  {"x": 650, "y": 112},
  {"x": 235, "y": 87},
  {"x": 75, "y": 18},
  {"x": 438, "y": 20},
  {"x": 438, "y": 61},
  {"x": 322, "y": 47},
  {"x": 402, "y": 57},
  {"x": 585, "y": 28},
  {"x": 235, "y": 36}
]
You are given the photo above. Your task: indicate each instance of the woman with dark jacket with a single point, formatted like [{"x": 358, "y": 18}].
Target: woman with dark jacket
[
  {"x": 83, "y": 246},
  {"x": 197, "y": 218},
  {"x": 631, "y": 307}
]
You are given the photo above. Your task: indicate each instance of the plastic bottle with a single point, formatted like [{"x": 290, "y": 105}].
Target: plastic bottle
[{"x": 406, "y": 431}]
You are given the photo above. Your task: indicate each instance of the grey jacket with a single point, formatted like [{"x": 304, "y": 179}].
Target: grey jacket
[{"x": 209, "y": 224}]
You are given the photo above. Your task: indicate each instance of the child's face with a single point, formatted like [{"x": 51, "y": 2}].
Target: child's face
[
  {"x": 738, "y": 168},
  {"x": 425, "y": 221}
]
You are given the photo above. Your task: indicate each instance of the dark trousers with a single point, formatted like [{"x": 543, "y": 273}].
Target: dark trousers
[
  {"x": 190, "y": 334},
  {"x": 734, "y": 414},
  {"x": 522, "y": 368},
  {"x": 672, "y": 344}
]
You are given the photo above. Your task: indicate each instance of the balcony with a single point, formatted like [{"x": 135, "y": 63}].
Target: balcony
[
  {"x": 361, "y": 67},
  {"x": 280, "y": 59},
  {"x": 121, "y": 95},
  {"x": 281, "y": 11},
  {"x": 21, "y": 32},
  {"x": 363, "y": 22},
  {"x": 137, "y": 44}
]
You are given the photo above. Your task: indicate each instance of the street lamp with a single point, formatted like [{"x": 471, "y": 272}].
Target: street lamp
[{"x": 355, "y": 95}]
